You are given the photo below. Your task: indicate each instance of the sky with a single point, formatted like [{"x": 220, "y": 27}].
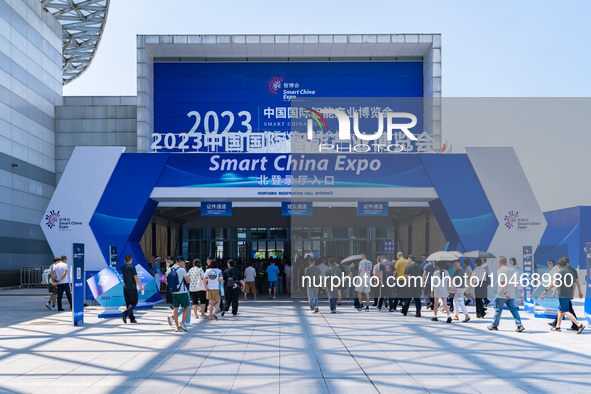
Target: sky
[{"x": 489, "y": 49}]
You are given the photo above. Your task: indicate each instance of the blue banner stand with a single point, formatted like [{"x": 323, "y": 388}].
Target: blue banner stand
[{"x": 78, "y": 285}]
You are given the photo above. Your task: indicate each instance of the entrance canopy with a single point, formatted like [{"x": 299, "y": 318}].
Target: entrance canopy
[{"x": 106, "y": 197}]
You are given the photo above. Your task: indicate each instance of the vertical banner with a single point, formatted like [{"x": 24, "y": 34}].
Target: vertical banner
[
  {"x": 78, "y": 285},
  {"x": 528, "y": 269},
  {"x": 113, "y": 256}
]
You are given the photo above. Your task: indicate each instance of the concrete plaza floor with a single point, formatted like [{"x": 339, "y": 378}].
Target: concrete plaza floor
[{"x": 278, "y": 346}]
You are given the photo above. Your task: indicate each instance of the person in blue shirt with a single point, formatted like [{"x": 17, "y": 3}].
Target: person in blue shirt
[{"x": 272, "y": 273}]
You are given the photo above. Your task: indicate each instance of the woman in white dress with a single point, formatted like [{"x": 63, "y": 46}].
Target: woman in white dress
[{"x": 440, "y": 289}]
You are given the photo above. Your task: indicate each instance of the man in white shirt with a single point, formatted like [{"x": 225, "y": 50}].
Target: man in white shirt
[
  {"x": 250, "y": 275},
  {"x": 364, "y": 272},
  {"x": 181, "y": 296},
  {"x": 63, "y": 282},
  {"x": 505, "y": 295}
]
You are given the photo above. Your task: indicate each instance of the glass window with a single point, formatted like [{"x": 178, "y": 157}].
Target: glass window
[
  {"x": 258, "y": 233},
  {"x": 299, "y": 233},
  {"x": 236, "y": 233},
  {"x": 342, "y": 249},
  {"x": 319, "y": 232},
  {"x": 196, "y": 248},
  {"x": 217, "y": 233},
  {"x": 340, "y": 232},
  {"x": 275, "y": 249},
  {"x": 259, "y": 249},
  {"x": 194, "y": 233},
  {"x": 278, "y": 233},
  {"x": 359, "y": 232},
  {"x": 384, "y": 232}
]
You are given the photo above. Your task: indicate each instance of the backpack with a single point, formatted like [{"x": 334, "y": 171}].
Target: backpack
[
  {"x": 45, "y": 278},
  {"x": 232, "y": 281},
  {"x": 172, "y": 280}
]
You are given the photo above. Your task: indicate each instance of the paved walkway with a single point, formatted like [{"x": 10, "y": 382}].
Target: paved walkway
[{"x": 280, "y": 347}]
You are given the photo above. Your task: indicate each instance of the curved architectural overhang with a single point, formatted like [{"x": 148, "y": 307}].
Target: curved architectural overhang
[{"x": 83, "y": 23}]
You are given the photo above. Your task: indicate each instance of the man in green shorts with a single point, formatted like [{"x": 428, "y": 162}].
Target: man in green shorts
[{"x": 181, "y": 296}]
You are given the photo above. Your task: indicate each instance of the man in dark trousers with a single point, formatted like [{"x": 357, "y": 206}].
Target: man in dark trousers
[
  {"x": 62, "y": 276},
  {"x": 233, "y": 287},
  {"x": 414, "y": 275},
  {"x": 130, "y": 280},
  {"x": 387, "y": 280}
]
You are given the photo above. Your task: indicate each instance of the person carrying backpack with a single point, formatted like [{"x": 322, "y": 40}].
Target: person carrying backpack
[
  {"x": 177, "y": 281},
  {"x": 234, "y": 284}
]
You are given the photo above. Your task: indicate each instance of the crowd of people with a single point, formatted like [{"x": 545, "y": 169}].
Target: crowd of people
[
  {"x": 216, "y": 286},
  {"x": 441, "y": 285}
]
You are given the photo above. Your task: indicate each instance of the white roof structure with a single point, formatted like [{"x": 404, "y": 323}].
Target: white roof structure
[{"x": 82, "y": 22}]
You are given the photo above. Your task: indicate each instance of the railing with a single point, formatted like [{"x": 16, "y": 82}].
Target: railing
[{"x": 32, "y": 276}]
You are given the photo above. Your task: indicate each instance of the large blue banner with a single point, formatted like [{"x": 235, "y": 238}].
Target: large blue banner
[{"x": 248, "y": 107}]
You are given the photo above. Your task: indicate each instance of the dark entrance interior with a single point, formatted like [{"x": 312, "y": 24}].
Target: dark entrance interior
[{"x": 261, "y": 232}]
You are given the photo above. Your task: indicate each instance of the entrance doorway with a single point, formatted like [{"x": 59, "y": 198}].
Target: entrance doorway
[
  {"x": 242, "y": 243},
  {"x": 262, "y": 233}
]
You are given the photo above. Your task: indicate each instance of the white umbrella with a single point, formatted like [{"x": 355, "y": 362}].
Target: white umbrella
[
  {"x": 478, "y": 254},
  {"x": 443, "y": 256},
  {"x": 457, "y": 254},
  {"x": 351, "y": 258}
]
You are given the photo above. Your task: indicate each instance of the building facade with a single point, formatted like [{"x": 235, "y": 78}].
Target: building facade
[{"x": 30, "y": 90}]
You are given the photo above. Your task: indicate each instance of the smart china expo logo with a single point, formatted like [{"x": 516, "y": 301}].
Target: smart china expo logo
[
  {"x": 274, "y": 84},
  {"x": 63, "y": 223},
  {"x": 511, "y": 219},
  {"x": 52, "y": 219}
]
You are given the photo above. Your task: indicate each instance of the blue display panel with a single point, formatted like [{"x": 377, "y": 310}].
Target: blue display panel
[{"x": 246, "y": 107}]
